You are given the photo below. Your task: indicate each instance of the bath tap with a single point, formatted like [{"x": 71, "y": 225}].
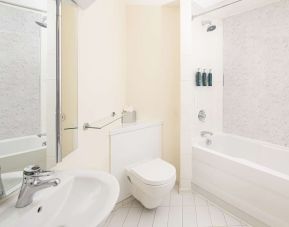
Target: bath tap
[
  {"x": 2, "y": 190},
  {"x": 204, "y": 133},
  {"x": 207, "y": 135},
  {"x": 40, "y": 135},
  {"x": 32, "y": 183}
]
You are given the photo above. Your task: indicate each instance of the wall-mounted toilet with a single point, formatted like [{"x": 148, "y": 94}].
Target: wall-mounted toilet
[
  {"x": 135, "y": 154},
  {"x": 151, "y": 181}
]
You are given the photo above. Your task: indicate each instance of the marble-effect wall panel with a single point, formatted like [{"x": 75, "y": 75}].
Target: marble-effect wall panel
[
  {"x": 20, "y": 70},
  {"x": 256, "y": 69}
]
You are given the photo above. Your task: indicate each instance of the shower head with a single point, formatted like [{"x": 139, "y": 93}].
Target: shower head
[
  {"x": 43, "y": 23},
  {"x": 210, "y": 27}
]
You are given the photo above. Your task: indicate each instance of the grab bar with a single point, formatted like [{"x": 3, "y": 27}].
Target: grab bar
[{"x": 89, "y": 126}]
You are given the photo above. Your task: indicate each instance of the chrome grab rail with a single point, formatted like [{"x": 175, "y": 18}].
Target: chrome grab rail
[{"x": 114, "y": 119}]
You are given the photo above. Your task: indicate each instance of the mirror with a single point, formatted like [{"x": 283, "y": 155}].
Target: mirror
[
  {"x": 29, "y": 86},
  {"x": 69, "y": 77}
]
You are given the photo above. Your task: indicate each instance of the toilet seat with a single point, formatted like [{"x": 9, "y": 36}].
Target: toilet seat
[{"x": 154, "y": 173}]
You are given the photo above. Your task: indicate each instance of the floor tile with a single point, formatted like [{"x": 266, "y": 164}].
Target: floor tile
[
  {"x": 175, "y": 217},
  {"x": 161, "y": 217},
  {"x": 176, "y": 199},
  {"x": 201, "y": 201},
  {"x": 166, "y": 201},
  {"x": 133, "y": 217},
  {"x": 217, "y": 216},
  {"x": 203, "y": 216},
  {"x": 147, "y": 218},
  {"x": 178, "y": 210},
  {"x": 188, "y": 199},
  {"x": 232, "y": 221},
  {"x": 118, "y": 217},
  {"x": 189, "y": 217},
  {"x": 136, "y": 204}
]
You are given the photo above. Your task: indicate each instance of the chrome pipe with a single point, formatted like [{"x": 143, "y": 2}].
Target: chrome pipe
[{"x": 58, "y": 82}]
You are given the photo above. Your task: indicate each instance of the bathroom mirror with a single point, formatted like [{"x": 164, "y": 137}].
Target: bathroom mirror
[
  {"x": 69, "y": 77},
  {"x": 27, "y": 89},
  {"x": 38, "y": 86}
]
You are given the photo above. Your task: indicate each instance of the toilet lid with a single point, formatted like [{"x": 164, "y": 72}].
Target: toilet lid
[{"x": 155, "y": 172}]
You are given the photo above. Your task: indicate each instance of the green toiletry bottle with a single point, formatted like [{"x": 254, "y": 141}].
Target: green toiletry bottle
[
  {"x": 204, "y": 78},
  {"x": 198, "y": 78},
  {"x": 210, "y": 78}
]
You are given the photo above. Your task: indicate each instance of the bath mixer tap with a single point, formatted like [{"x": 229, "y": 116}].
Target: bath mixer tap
[
  {"x": 32, "y": 183},
  {"x": 207, "y": 135},
  {"x": 2, "y": 190}
]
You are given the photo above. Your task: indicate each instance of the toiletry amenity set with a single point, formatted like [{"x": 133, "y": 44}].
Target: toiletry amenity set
[{"x": 203, "y": 78}]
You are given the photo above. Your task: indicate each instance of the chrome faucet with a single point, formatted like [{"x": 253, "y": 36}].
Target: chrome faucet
[
  {"x": 207, "y": 135},
  {"x": 32, "y": 183},
  {"x": 2, "y": 190}
]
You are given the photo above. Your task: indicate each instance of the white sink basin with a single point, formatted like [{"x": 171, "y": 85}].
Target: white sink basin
[{"x": 82, "y": 199}]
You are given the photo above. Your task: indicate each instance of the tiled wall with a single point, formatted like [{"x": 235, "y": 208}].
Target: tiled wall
[
  {"x": 256, "y": 92},
  {"x": 208, "y": 54},
  {"x": 20, "y": 71}
]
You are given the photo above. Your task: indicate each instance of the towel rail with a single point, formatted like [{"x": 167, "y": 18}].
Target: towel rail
[{"x": 113, "y": 115}]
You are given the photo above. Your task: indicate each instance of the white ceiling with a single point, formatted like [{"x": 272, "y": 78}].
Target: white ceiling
[
  {"x": 152, "y": 2},
  {"x": 237, "y": 8}
]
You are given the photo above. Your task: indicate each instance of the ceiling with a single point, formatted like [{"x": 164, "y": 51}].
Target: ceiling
[
  {"x": 152, "y": 2},
  {"x": 201, "y": 6}
]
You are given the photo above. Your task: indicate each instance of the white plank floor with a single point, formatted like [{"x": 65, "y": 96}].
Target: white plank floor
[{"x": 178, "y": 210}]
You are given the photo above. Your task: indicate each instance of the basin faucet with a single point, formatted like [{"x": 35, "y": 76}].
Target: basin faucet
[
  {"x": 207, "y": 135},
  {"x": 2, "y": 190},
  {"x": 33, "y": 183}
]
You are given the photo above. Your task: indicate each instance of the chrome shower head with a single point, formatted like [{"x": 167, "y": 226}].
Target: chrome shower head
[{"x": 210, "y": 27}]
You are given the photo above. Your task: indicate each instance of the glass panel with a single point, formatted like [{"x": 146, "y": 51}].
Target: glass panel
[{"x": 69, "y": 76}]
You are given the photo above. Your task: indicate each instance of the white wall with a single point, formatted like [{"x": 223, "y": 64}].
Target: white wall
[
  {"x": 102, "y": 69},
  {"x": 186, "y": 100},
  {"x": 154, "y": 70}
]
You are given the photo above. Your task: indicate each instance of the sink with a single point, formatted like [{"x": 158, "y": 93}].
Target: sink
[{"x": 83, "y": 198}]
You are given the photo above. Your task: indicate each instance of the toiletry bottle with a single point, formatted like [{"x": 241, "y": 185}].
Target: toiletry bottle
[
  {"x": 204, "y": 78},
  {"x": 210, "y": 78},
  {"x": 198, "y": 78}
]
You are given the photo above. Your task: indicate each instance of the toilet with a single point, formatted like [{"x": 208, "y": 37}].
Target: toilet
[{"x": 151, "y": 181}]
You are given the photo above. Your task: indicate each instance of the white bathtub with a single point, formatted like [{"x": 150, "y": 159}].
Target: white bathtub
[
  {"x": 17, "y": 153},
  {"x": 248, "y": 174}
]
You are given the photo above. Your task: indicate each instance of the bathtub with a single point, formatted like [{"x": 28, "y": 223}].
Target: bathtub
[
  {"x": 17, "y": 153},
  {"x": 251, "y": 175}
]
